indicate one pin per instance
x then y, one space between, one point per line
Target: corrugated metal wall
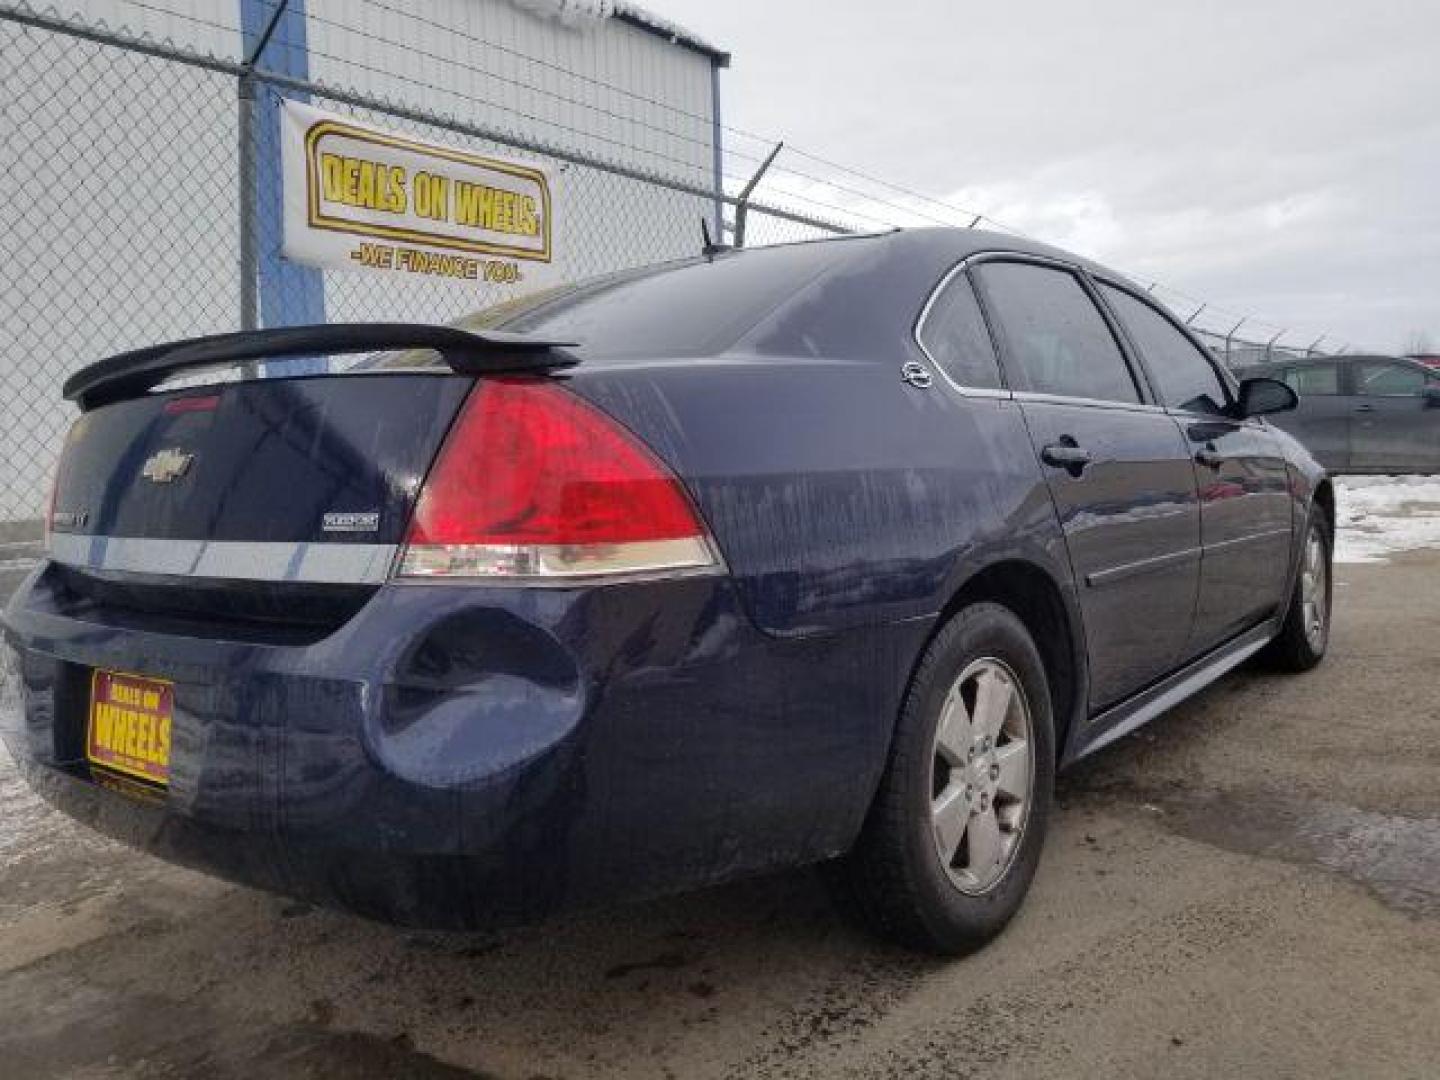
605 87
602 86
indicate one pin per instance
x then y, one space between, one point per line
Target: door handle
1364 408
1066 455
1210 457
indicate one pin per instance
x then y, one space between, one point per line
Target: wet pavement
1397 858
1250 886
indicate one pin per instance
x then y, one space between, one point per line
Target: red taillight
533 482
181 405
50 510
70 519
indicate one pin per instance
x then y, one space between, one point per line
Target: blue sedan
832 551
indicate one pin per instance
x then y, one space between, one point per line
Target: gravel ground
1248 887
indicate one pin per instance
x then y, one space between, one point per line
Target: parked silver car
1363 414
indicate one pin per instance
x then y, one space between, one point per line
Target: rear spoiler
467 352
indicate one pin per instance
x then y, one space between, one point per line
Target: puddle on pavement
1397 858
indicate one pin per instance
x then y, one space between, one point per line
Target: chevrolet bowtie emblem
166 466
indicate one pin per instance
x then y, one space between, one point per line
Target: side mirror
1431 394
1259 397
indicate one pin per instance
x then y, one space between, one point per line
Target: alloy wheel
1314 590
983 770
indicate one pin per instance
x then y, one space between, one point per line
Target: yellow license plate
129 729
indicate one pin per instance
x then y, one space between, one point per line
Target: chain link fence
121 180
121 185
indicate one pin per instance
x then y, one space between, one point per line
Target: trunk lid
255 479
267 510
287 479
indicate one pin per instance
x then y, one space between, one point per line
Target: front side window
1055 339
1313 380
1185 378
954 335
1384 379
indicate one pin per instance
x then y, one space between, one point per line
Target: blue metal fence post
288 292
717 151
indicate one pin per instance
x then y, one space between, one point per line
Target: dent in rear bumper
466 756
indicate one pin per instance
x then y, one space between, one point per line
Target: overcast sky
1280 157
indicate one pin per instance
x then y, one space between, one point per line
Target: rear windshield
694 308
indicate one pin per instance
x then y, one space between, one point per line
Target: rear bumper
411 888
466 756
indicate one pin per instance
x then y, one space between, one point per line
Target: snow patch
1379 516
25 820
584 14
571 13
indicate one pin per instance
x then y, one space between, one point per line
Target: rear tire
1305 634
952 841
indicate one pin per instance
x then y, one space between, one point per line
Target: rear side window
1317 380
953 333
1381 379
1055 339
1186 380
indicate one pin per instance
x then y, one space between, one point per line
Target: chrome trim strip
1249 538
1091 403
318 563
1144 566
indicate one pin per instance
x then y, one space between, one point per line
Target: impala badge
167 466
351 521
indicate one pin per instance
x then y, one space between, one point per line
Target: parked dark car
1363 414
828 551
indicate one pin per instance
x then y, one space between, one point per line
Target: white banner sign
360 197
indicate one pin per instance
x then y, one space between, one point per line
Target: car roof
876 296
1289 363
951 244
852 296
908 262
962 243
1312 361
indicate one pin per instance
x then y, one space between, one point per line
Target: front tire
1303 638
954 836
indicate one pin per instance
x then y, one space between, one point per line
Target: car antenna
710 248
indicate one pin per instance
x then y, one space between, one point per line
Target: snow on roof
580 12
634 13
